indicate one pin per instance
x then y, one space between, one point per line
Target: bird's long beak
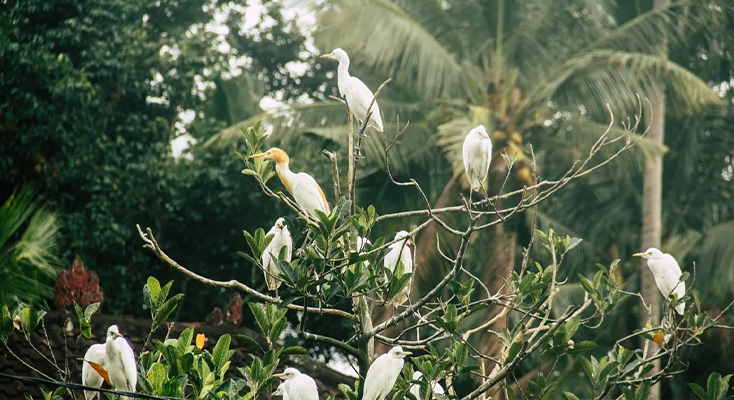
117 334
327 56
405 353
278 375
639 255
258 155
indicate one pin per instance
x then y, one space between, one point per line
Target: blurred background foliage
97 98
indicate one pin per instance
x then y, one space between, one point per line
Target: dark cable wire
34 380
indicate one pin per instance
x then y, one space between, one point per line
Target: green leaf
163 295
643 392
90 310
78 309
184 340
684 277
573 243
166 309
156 377
247 339
220 354
583 347
154 287
276 329
698 391
258 311
293 350
29 321
86 328
570 396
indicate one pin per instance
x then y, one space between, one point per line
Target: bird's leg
492 204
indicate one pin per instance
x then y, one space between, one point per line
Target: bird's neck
286 175
343 70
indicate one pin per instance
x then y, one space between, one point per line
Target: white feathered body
90 377
121 366
281 238
359 97
381 377
667 273
302 387
304 189
415 388
400 252
477 153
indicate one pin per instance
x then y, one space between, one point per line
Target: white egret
281 238
383 373
415 388
667 274
281 392
120 362
90 377
477 156
358 95
399 251
298 386
302 186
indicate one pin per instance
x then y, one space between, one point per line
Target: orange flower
200 341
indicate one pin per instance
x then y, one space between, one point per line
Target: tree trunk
652 193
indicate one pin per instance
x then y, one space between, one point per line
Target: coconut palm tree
28 263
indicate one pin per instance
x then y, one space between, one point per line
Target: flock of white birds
117 357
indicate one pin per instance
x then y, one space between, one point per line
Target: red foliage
77 284
234 309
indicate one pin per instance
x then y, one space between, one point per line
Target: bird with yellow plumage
302 187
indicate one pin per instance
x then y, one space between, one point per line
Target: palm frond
28 263
715 269
381 35
594 77
670 26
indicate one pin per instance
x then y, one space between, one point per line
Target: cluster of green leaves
156 298
22 317
85 318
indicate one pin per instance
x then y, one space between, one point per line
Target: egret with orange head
302 186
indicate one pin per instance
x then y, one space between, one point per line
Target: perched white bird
667 274
415 388
383 373
477 156
281 238
120 362
302 186
399 251
358 95
298 386
90 377
281 392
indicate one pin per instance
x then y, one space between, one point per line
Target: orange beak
327 56
259 155
117 334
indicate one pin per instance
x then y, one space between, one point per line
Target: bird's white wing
303 387
269 258
308 194
90 377
377 380
128 364
391 258
466 155
359 97
288 240
671 275
486 146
